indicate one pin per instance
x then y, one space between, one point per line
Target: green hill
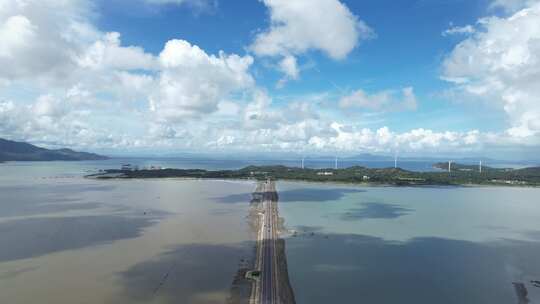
21 151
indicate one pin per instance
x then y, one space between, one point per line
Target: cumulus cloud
83 87
500 64
51 45
192 83
50 120
350 138
79 77
303 25
15 33
298 26
316 135
86 76
42 38
384 101
266 127
299 126
107 53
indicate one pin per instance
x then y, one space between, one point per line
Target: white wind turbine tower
480 166
303 162
395 159
335 165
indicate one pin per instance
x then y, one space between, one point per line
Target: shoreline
329 182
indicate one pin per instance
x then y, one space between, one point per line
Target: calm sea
411 245
66 239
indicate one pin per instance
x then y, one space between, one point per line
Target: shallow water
66 239
411 245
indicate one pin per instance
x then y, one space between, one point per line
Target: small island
458 175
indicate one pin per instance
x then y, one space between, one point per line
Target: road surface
268 283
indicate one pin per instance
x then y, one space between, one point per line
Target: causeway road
269 276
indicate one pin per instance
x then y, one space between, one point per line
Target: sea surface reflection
412 245
66 239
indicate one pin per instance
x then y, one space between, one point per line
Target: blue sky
326 76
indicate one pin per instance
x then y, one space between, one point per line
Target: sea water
67 239
350 244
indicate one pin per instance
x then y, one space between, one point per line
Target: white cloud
350 139
192 83
289 66
50 119
259 115
16 32
268 127
500 63
108 53
511 5
384 101
8 123
194 3
41 38
71 84
47 105
453 30
167 1
130 86
298 26
86 77
51 46
302 25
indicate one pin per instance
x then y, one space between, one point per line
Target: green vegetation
461 175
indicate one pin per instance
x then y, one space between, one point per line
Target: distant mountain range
21 151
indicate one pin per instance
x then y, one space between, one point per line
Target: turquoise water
411 245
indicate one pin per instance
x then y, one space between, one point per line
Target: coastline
322 182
